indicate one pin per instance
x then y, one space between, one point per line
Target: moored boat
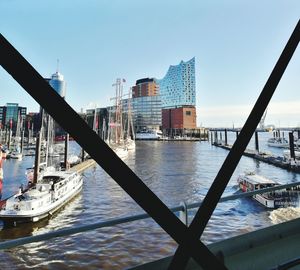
275 199
278 142
148 134
16 155
287 154
42 199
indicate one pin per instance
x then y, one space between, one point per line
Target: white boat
122 152
148 134
73 160
287 154
16 155
297 143
130 144
275 199
43 199
278 142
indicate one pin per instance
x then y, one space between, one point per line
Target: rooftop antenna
57 65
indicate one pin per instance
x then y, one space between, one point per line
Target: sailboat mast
48 140
121 112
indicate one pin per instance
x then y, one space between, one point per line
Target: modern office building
9 115
147 112
178 96
178 87
146 104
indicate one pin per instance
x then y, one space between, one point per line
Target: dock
84 165
267 158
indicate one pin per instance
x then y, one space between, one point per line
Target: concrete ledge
262 249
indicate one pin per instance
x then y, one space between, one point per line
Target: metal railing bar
217 188
116 221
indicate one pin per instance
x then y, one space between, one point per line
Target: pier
279 161
270 159
83 165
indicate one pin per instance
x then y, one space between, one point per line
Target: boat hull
14 219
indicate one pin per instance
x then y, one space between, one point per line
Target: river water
175 171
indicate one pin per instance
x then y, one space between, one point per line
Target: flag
97 123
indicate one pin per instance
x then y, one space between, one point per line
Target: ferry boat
43 199
278 142
149 134
275 199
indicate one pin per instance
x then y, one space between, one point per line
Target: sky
235 43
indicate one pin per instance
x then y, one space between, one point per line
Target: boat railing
182 209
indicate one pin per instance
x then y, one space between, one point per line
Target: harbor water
175 171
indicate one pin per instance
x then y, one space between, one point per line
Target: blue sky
236 45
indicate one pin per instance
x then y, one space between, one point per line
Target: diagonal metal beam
216 190
13 62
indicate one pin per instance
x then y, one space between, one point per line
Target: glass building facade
147 112
58 84
178 87
10 113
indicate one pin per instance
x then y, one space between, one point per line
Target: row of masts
120 135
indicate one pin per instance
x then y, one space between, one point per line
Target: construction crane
262 120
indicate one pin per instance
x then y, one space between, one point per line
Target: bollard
22 141
66 152
256 142
82 154
292 149
183 213
9 139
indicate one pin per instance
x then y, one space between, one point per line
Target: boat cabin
251 182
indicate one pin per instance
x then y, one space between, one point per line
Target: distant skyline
235 44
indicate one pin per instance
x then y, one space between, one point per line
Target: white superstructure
42 199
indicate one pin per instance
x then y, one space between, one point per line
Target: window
188 113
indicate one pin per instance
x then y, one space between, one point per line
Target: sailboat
115 124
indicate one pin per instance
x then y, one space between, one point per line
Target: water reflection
175 171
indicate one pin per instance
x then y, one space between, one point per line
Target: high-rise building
178 96
178 87
58 84
146 103
9 115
